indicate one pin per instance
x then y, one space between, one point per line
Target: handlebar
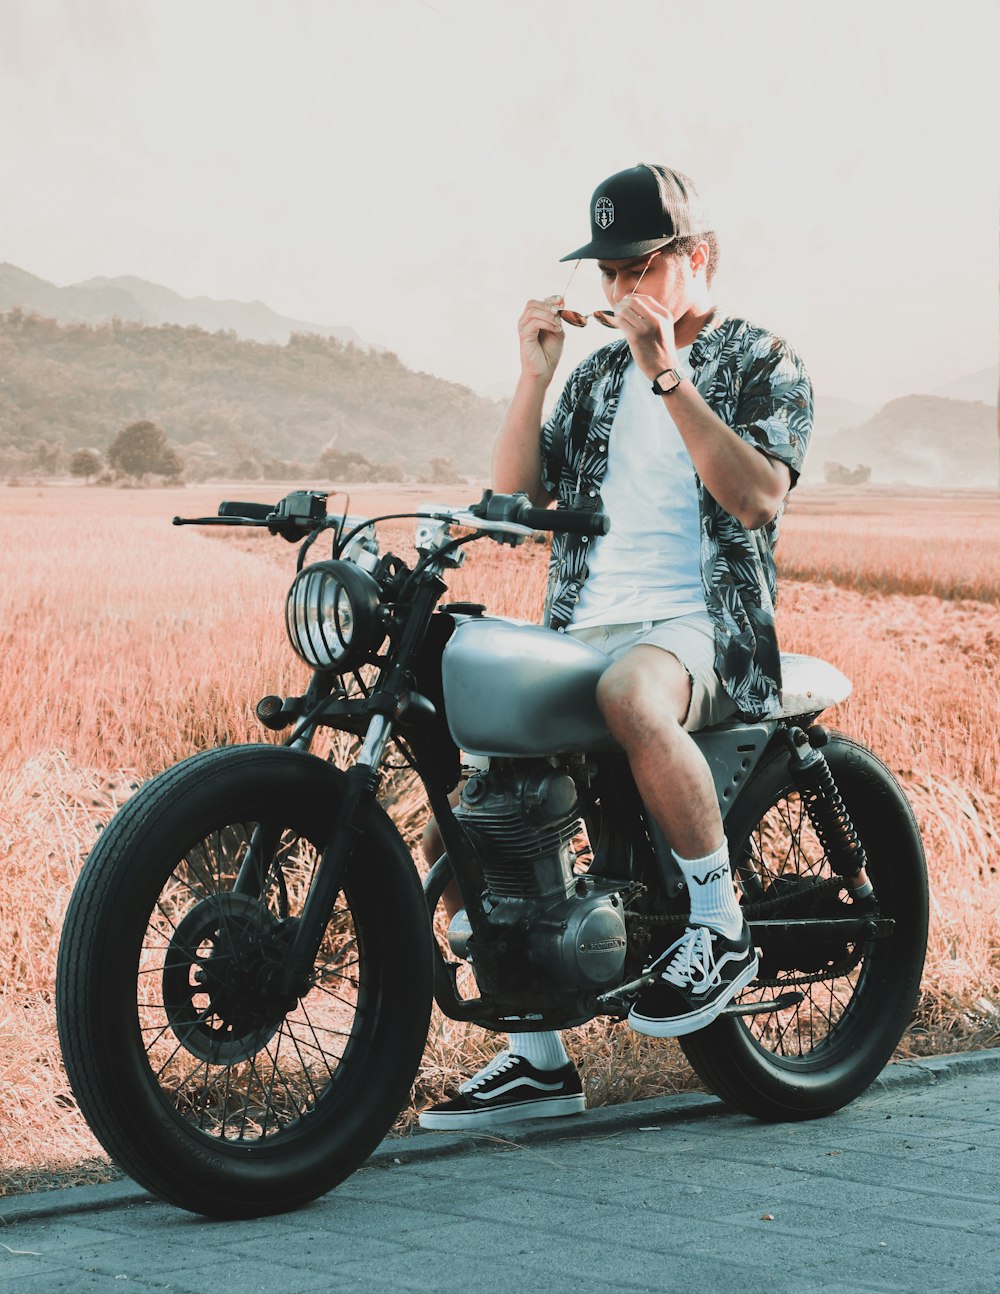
517 508
304 511
293 517
565 521
253 511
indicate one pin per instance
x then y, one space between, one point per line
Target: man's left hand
648 327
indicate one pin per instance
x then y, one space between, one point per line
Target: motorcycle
248 962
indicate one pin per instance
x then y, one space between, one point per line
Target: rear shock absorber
826 809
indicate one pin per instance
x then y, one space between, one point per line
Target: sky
415 168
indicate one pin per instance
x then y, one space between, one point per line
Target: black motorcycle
247 966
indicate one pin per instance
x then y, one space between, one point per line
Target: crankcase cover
581 943
512 690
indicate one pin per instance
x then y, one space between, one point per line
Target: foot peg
620 999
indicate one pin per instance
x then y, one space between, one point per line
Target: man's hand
648 327
739 476
542 338
517 454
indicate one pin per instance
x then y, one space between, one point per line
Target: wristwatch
666 390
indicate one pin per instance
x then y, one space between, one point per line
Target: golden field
129 644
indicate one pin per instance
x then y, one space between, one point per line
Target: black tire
811 1059
211 1094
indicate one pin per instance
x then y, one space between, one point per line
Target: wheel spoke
330 993
306 1070
231 1061
322 1028
319 1046
785 859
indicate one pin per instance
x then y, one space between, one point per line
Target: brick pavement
900 1191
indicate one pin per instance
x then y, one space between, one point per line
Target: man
690 429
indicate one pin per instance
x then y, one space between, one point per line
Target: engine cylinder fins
518 862
509 839
523 823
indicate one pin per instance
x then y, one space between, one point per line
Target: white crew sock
710 887
543 1050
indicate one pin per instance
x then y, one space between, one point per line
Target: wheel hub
221 975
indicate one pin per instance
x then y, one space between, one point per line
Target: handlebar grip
566 521
253 511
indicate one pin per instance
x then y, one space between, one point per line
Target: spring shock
827 812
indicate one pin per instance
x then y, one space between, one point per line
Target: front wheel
198 1077
857 995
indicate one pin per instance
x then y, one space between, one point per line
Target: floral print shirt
758 386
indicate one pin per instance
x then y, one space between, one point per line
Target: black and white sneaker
699 975
509 1089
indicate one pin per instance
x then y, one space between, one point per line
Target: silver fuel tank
514 690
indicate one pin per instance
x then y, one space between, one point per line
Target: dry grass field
129 644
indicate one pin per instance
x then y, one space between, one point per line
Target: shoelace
500 1063
690 960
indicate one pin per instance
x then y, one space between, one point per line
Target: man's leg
531 1078
645 697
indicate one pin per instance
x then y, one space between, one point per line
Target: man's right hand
540 330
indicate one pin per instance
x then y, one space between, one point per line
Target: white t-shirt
647 567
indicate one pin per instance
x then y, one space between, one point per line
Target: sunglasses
606 316
578 320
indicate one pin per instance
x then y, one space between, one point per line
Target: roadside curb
423 1146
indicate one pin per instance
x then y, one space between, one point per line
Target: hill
78 385
832 415
925 440
980 386
101 299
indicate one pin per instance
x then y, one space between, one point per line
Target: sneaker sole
680 1025
552 1107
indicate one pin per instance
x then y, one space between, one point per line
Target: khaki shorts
691 640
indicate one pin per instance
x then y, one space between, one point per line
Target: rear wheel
857 994
202 1079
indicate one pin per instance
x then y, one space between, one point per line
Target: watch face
673 379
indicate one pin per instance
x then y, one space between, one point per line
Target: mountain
76 304
237 379
980 386
832 413
100 299
925 440
263 407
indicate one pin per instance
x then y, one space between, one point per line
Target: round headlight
332 616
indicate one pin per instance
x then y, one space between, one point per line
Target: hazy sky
415 168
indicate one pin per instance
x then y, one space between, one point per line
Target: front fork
361 783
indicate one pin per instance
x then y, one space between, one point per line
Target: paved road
901 1191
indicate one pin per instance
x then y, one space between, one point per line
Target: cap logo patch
604 213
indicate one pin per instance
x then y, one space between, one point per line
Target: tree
46 456
442 472
171 464
246 469
282 469
838 474
85 463
141 449
342 464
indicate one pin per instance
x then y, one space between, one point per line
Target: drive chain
769 907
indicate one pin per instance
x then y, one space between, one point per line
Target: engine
553 929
